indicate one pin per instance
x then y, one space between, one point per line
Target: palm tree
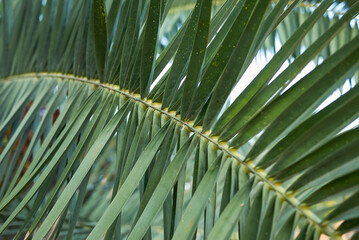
145 119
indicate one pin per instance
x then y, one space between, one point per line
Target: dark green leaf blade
100 34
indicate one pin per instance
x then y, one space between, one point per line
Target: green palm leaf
123 119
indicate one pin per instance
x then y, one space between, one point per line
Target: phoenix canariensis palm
123 119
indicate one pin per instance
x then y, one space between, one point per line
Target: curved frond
162 119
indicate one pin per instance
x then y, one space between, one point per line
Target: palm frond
123 119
